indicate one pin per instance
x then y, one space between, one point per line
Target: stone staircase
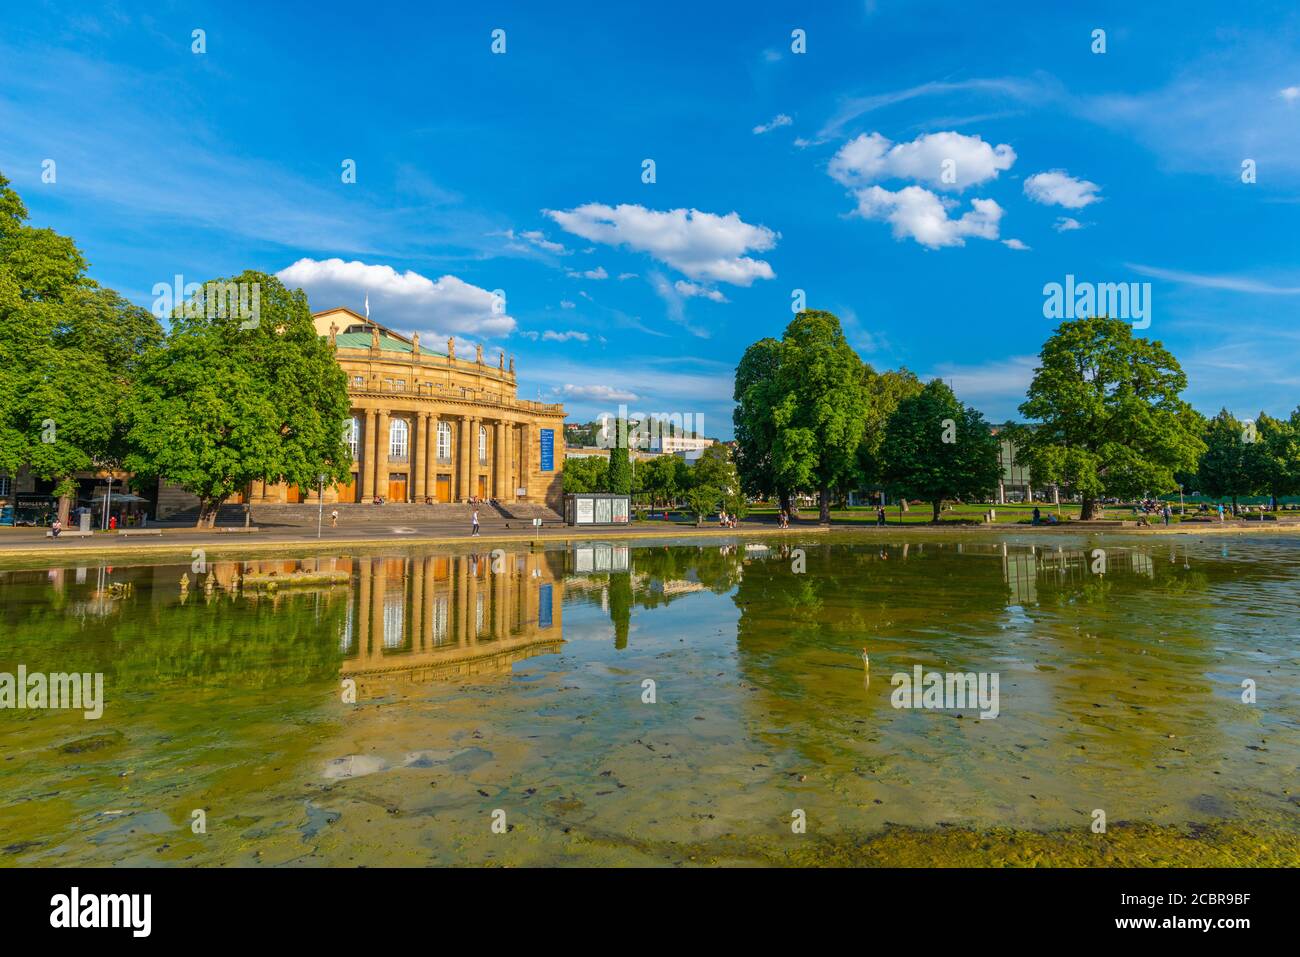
393 513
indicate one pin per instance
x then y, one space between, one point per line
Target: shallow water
395 717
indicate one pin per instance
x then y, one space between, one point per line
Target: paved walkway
27 544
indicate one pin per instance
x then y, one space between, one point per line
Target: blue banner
548 450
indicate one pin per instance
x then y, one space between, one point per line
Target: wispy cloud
1229 283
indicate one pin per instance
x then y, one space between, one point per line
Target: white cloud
1015 244
626 275
597 273
916 213
1059 188
1290 93
946 161
1064 224
781 119
700 245
568 304
406 301
604 393
690 289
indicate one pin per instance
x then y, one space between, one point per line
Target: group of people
725 520
783 519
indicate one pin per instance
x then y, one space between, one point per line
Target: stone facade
430 426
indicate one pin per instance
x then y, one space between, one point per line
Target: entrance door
482 486
292 494
397 487
442 488
348 490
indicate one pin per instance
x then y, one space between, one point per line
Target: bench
239 530
140 531
70 534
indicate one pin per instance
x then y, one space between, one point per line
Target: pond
701 701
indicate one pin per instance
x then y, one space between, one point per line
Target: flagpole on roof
367 305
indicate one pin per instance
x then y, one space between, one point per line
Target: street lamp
320 498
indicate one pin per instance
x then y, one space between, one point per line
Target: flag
367 305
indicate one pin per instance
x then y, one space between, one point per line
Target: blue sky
774 171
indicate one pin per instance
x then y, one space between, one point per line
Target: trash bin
83 521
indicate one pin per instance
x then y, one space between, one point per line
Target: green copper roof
361 340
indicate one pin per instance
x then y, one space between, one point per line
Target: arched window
352 435
444 441
398 434
482 445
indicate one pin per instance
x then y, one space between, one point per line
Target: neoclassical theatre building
429 426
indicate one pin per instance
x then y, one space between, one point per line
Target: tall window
352 435
398 434
4 486
482 445
444 440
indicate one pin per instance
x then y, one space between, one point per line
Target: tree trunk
938 505
824 497
208 509
1088 509
65 507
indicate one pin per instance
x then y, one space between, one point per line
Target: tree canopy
936 448
1108 413
218 406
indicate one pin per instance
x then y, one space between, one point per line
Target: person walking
880 516
1037 515
1167 512
334 518
473 524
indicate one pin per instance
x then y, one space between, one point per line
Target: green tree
619 478
69 350
936 448
820 410
756 396
585 474
713 480
219 406
662 478
884 391
1229 465
1109 414
1275 455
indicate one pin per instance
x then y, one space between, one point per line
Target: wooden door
348 490
292 494
397 487
482 486
442 489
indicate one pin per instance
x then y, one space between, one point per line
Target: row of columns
508 598
506 464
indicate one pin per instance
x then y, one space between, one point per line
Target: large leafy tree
936 448
219 406
1108 414
1275 454
663 478
1228 467
69 351
756 395
884 392
820 409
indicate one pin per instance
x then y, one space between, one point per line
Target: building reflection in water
441 616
